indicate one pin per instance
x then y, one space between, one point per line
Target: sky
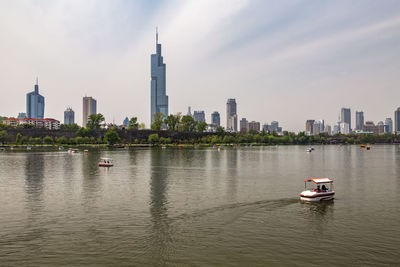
288 61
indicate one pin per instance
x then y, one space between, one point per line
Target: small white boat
309 149
28 148
106 162
319 193
74 150
60 148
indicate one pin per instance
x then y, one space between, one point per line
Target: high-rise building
69 116
274 126
265 127
199 116
359 120
231 115
254 125
244 125
345 117
344 128
316 128
21 116
216 119
310 127
35 103
321 126
189 113
388 125
159 98
89 107
369 126
126 122
328 129
397 120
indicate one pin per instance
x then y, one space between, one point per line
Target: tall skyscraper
126 122
359 120
244 125
89 107
159 98
199 116
397 120
35 103
345 117
215 118
69 116
388 125
310 127
231 115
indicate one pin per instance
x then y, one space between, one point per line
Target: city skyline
324 61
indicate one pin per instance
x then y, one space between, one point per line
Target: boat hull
105 165
315 197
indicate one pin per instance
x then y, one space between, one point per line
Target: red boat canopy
319 180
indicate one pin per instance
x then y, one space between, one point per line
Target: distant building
159 98
274 126
216 119
69 116
126 122
316 128
265 127
50 124
369 126
21 115
321 126
397 120
189 113
244 125
89 107
199 116
231 115
254 125
388 125
345 117
35 104
310 127
344 128
328 129
359 120
336 129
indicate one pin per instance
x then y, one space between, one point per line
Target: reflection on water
160 232
199 207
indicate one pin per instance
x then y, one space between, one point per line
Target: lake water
200 207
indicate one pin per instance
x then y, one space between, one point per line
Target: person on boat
324 188
318 189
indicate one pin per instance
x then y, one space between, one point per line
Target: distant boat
86 151
368 147
309 149
106 162
75 150
362 146
60 148
28 148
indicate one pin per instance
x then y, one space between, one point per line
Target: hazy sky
282 60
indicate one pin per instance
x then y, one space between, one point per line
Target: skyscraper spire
156 35
37 80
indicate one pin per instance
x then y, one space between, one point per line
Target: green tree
112 137
172 121
220 131
47 140
72 127
158 119
201 127
18 138
133 124
188 124
3 136
82 132
153 138
142 126
62 140
94 121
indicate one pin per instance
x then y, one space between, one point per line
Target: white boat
309 149
322 192
106 162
